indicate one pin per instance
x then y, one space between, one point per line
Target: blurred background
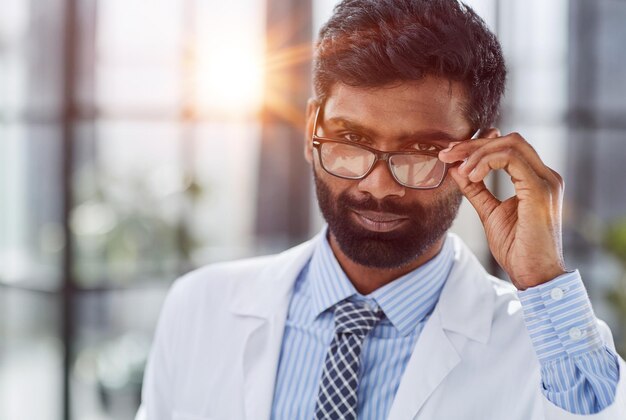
142 138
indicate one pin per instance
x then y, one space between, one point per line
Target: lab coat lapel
260 308
433 358
464 312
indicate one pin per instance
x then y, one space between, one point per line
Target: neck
367 279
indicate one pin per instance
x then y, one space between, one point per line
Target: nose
380 183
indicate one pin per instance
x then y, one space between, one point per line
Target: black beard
385 250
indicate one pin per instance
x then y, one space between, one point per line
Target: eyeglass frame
318 141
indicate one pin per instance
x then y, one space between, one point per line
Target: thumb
477 194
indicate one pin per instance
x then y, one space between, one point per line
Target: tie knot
355 318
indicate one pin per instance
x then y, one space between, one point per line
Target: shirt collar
405 301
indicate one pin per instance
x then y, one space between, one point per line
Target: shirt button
575 333
556 293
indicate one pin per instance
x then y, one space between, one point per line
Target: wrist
538 276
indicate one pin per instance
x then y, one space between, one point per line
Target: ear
311 107
490 133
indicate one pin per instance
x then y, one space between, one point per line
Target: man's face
375 221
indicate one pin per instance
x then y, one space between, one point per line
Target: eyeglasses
419 169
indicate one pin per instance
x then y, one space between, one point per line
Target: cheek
332 185
419 198
448 186
427 198
340 186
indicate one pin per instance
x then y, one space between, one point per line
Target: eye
353 137
424 147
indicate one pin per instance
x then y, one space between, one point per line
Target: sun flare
230 79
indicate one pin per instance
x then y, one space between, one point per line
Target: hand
524 231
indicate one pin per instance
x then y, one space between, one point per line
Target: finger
558 177
477 194
525 179
447 154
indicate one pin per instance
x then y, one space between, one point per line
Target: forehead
430 104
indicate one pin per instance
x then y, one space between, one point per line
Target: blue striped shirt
407 303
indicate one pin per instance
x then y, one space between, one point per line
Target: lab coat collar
270 291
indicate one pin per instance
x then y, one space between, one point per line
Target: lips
377 221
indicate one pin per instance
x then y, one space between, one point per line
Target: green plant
615 243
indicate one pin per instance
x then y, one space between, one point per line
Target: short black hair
372 43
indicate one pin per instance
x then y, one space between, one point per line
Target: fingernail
463 163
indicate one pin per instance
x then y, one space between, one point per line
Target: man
384 314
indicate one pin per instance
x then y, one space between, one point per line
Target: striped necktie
337 395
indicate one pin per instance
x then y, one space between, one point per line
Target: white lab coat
218 341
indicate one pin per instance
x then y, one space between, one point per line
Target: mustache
369 203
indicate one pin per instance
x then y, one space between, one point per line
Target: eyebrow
426 135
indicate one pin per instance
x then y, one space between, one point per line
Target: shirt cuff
559 318
584 384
